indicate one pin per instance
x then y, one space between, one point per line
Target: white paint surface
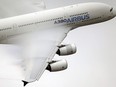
93 65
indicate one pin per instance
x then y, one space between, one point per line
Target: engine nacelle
66 49
57 66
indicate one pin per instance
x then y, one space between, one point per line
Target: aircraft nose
114 11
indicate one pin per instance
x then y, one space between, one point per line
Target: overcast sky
94 65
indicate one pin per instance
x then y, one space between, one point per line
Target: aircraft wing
9 8
39 48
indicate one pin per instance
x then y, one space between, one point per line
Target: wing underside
38 49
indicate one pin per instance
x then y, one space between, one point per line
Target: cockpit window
111 9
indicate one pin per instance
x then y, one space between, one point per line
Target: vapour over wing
38 49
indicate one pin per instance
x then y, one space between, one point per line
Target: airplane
40 34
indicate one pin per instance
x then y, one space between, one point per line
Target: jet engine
57 65
66 49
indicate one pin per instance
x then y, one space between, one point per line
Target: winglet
25 83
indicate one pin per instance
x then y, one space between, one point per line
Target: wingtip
25 82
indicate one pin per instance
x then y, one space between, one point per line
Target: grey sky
93 65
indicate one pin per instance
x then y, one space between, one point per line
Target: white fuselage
71 16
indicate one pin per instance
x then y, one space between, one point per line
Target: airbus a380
40 34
